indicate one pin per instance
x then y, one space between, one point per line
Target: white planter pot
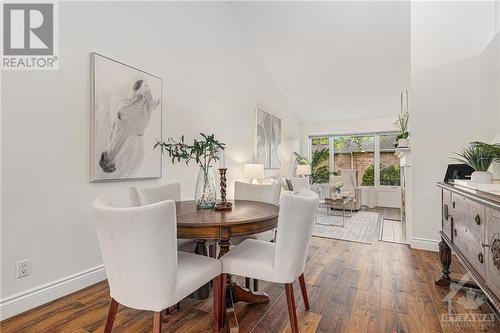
482 177
403 143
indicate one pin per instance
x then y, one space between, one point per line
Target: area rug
358 228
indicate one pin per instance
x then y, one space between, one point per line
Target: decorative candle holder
223 204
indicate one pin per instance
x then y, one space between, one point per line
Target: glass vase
205 193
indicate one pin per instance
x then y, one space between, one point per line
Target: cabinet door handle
453 204
445 211
455 232
480 258
478 219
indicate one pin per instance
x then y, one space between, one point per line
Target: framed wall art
126 121
267 139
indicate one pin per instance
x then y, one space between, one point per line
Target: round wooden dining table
245 218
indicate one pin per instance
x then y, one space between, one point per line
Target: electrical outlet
23 268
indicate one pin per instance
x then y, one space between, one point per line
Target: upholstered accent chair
348 177
148 196
145 270
283 261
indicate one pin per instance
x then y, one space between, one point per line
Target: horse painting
127 120
124 151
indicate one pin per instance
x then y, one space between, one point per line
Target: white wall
450 105
444 32
212 83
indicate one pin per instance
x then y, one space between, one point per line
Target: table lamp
303 170
253 172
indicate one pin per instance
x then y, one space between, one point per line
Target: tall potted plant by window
319 165
204 152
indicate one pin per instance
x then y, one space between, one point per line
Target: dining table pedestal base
242 294
236 293
245 218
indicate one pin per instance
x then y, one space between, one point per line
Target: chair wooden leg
303 289
113 308
290 300
218 303
255 285
157 322
223 290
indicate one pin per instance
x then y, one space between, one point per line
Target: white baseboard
29 299
424 244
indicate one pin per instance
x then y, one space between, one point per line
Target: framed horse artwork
126 121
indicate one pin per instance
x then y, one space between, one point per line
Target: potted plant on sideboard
479 156
204 152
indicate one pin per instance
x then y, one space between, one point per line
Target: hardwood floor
352 287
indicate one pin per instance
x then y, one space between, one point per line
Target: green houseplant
479 156
402 125
493 148
319 165
204 152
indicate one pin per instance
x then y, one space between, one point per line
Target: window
320 160
355 152
371 154
389 163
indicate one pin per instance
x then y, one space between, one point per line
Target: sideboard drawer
446 217
493 250
470 246
468 214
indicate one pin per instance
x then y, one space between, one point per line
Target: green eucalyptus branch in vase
204 152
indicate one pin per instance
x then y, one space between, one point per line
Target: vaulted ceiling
332 60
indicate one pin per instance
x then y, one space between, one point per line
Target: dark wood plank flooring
353 287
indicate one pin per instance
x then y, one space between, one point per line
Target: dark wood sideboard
471 229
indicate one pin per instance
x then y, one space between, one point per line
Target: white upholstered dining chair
144 269
300 183
147 196
283 261
269 193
